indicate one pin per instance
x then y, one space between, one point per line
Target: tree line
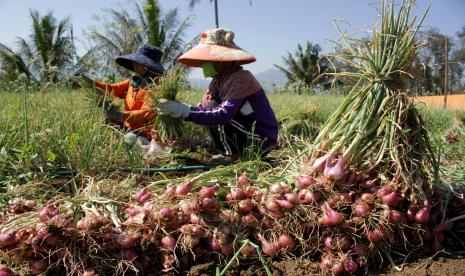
49 55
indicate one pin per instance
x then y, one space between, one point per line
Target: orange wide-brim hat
216 45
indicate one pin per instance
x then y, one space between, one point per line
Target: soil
442 263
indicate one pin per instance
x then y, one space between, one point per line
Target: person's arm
217 115
117 89
143 115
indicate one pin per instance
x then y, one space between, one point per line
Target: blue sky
267 28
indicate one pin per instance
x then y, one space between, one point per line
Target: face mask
208 69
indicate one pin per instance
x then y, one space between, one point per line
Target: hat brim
211 52
126 61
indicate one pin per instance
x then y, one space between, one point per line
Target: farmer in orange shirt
138 115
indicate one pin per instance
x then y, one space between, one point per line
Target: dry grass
455 102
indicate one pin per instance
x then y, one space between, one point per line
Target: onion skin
350 265
244 206
304 181
334 169
250 221
169 191
284 203
214 244
208 192
319 163
141 193
7 239
271 204
330 217
285 241
249 250
423 215
376 235
209 204
390 199
269 248
291 197
183 189
397 217
361 210
5 271
367 197
168 242
238 194
243 180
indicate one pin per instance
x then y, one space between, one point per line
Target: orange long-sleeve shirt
138 112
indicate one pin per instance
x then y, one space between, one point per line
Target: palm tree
124 33
49 54
12 64
306 66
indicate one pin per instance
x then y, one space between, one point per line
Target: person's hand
173 108
208 101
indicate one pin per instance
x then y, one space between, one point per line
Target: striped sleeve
217 115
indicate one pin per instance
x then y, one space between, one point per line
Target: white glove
173 108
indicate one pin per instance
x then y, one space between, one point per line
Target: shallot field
68 193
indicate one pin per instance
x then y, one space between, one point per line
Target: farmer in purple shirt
235 108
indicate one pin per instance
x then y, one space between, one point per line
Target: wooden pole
446 73
216 14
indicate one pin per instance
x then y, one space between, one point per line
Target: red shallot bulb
7 238
208 192
327 261
125 240
271 204
188 207
397 217
390 199
338 267
284 203
244 206
291 197
249 250
361 209
139 194
209 204
376 235
367 197
330 217
214 243
334 169
183 189
350 265
166 213
304 181
169 191
5 271
411 212
423 215
250 221
319 163
279 188
168 242
243 180
238 194
269 248
287 242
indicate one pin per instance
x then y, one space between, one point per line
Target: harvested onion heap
196 221
167 87
377 131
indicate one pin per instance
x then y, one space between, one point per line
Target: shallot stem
260 255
